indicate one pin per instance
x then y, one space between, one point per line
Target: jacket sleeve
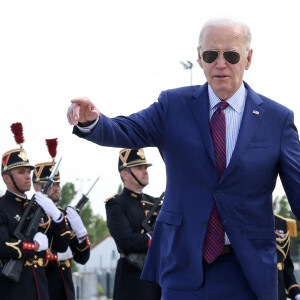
289 164
59 235
142 129
81 251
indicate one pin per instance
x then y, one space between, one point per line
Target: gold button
35 257
35 266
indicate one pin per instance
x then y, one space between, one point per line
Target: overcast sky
122 54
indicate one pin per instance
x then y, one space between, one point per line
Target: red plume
52 145
17 130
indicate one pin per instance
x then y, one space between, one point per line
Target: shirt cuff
88 129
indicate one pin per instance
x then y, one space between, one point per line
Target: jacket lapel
200 111
252 115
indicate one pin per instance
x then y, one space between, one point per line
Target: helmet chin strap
143 185
13 180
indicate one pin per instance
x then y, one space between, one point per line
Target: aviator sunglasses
209 56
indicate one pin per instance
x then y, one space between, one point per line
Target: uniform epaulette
112 197
290 224
291 227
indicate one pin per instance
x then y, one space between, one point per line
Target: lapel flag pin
256 112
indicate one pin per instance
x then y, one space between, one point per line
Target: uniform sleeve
12 247
81 251
291 284
139 130
126 239
289 164
59 235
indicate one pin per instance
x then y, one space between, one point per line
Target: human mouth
221 76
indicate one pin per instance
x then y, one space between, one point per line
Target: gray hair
225 22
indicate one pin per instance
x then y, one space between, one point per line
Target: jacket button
217 192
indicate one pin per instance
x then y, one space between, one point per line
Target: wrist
58 217
81 233
37 245
85 124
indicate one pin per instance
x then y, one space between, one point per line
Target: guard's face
38 187
54 193
141 174
224 78
22 177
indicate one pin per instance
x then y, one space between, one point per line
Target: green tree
68 193
95 224
120 188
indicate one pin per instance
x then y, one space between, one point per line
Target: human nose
221 61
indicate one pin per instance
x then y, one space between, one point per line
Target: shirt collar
15 197
236 101
132 194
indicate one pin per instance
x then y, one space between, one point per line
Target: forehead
21 169
140 167
223 38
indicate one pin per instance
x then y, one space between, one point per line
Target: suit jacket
267 145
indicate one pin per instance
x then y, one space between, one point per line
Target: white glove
48 206
64 255
76 222
42 240
297 297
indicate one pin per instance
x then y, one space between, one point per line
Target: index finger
73 114
80 100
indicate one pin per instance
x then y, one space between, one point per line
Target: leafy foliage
68 193
120 188
95 224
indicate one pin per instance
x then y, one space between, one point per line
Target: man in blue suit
224 146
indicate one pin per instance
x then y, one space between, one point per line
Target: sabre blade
92 186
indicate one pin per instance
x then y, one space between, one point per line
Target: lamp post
188 66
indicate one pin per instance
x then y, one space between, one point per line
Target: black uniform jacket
33 283
287 283
59 273
125 214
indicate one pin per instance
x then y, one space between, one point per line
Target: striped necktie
214 238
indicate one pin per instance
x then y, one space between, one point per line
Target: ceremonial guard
125 215
287 284
28 252
58 264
